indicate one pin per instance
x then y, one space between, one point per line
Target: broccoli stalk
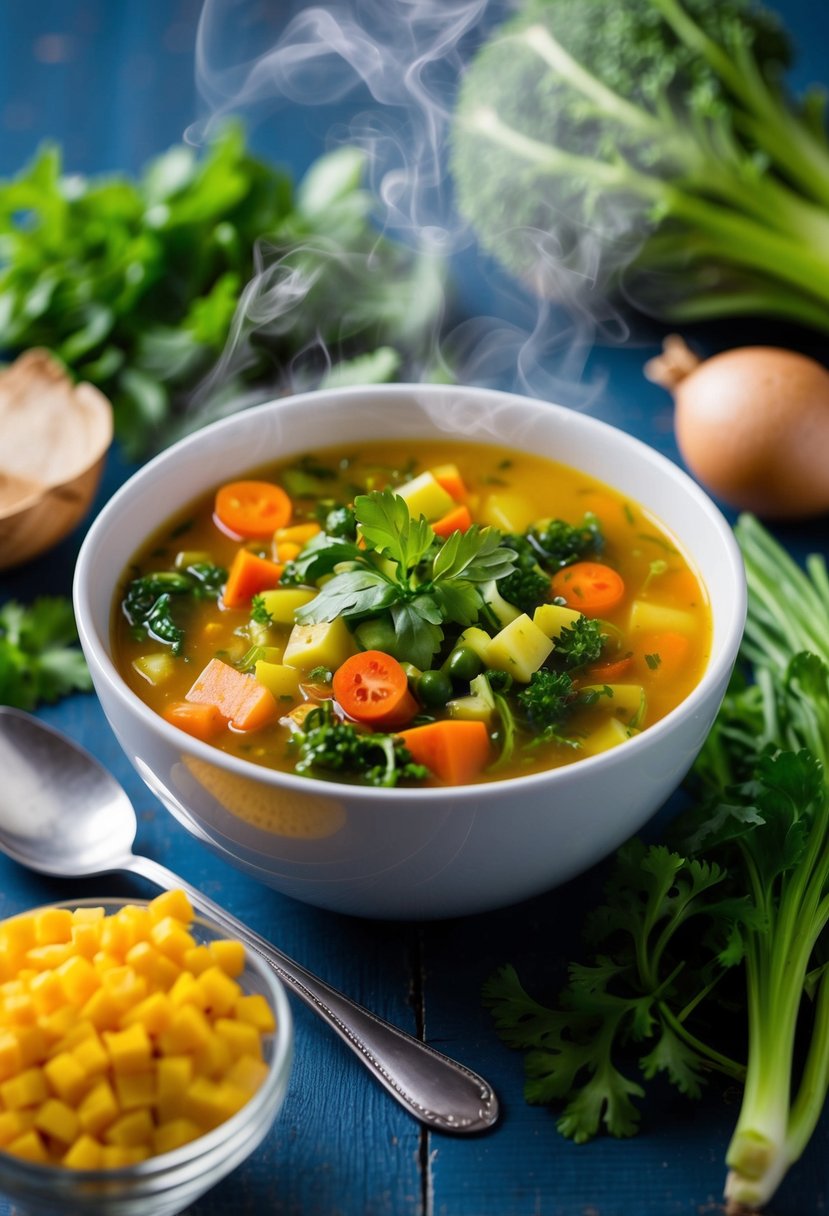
649 145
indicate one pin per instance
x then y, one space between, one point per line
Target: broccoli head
327 746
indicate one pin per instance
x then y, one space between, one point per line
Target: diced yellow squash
91 1055
78 979
188 1031
198 959
65 1076
84 1154
242 1039
210 1102
424 495
47 992
552 618
53 925
282 603
156 669
185 991
134 1128
229 955
507 511
174 903
248 1073
174 1133
171 938
214 1059
173 1075
154 1013
611 733
255 1010
627 702
135 1089
11 1056
29 1147
660 618
192 557
471 709
27 1088
57 1119
476 639
498 606
14 1123
519 648
130 1050
327 644
280 679
221 992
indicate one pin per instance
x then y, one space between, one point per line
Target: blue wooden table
113 81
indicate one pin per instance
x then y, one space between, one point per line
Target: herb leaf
39 658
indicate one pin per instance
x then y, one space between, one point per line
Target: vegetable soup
429 613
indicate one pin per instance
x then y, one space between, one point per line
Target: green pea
434 688
377 634
463 664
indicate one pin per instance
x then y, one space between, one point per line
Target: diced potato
519 648
155 668
424 495
609 734
477 640
627 702
501 610
282 603
660 618
327 644
508 511
552 618
280 678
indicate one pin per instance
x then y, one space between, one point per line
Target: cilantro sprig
401 567
39 658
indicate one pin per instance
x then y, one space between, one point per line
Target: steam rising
393 68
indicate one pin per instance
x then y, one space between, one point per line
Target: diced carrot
241 699
456 520
664 654
610 673
248 576
202 720
448 476
454 750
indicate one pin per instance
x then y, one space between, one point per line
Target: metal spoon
62 813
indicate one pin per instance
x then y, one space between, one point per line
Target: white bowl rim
717 669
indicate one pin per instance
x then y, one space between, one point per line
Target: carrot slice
248 575
456 520
590 587
664 653
246 704
252 508
201 720
372 687
448 476
454 750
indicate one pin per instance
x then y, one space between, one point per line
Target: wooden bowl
54 437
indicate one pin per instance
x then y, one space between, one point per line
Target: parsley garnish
402 568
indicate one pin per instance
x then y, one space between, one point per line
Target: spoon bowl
62 813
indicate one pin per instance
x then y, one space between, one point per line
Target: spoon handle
438 1091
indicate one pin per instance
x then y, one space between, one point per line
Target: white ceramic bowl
413 853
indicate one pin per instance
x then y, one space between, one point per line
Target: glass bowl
170 1182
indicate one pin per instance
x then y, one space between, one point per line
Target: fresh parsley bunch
742 898
400 567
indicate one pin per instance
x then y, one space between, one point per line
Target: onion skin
752 425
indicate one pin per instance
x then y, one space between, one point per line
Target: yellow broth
663 601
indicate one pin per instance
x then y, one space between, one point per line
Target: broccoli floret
609 147
259 611
557 543
342 522
527 586
580 643
329 746
547 700
148 600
